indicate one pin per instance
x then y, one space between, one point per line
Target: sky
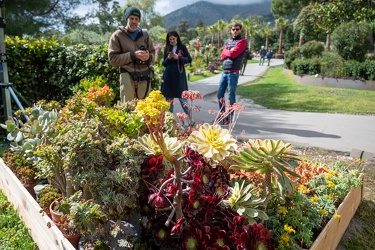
164 7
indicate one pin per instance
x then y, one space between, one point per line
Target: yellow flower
331 184
289 229
213 142
336 216
322 211
314 199
302 189
332 172
153 108
282 210
284 239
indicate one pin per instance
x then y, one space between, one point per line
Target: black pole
4 79
4 67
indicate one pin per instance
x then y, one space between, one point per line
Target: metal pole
6 94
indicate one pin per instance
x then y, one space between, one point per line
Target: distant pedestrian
174 83
262 55
232 55
269 56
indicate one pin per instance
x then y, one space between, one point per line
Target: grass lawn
276 90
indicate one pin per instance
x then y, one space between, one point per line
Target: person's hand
172 56
142 55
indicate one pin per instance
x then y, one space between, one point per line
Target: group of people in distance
132 51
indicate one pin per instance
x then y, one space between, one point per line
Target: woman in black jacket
174 83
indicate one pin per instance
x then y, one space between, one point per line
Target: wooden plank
28 209
332 233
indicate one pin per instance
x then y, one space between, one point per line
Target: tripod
6 87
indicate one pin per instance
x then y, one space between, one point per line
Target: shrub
369 67
290 56
353 68
351 40
306 67
331 64
311 49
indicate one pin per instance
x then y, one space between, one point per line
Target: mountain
210 13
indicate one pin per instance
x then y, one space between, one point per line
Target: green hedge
360 70
310 60
48 69
306 66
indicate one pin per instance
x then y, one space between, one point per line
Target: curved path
330 131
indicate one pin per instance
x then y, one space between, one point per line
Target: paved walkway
331 131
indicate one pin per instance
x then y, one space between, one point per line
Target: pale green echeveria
213 142
174 146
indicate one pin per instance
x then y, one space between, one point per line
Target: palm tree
213 30
249 28
220 27
266 31
281 24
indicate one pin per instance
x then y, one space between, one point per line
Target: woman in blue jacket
174 83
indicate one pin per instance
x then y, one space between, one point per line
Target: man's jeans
227 80
261 60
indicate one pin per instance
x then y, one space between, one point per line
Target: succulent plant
213 142
270 158
245 200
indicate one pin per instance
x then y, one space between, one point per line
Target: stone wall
331 82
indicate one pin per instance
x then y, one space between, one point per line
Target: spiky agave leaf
267 156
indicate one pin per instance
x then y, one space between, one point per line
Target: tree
213 30
304 24
265 31
287 8
149 16
183 28
33 17
249 25
281 24
326 16
220 27
199 24
351 40
158 34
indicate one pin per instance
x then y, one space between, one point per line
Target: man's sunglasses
235 29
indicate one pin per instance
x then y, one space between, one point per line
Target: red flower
157 200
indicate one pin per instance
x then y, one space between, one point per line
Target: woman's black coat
174 77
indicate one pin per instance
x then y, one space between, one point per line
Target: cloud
164 7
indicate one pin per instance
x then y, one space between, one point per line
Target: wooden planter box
332 233
50 237
41 228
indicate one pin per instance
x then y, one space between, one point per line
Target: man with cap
131 49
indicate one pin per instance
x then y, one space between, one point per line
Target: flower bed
48 236
194 188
